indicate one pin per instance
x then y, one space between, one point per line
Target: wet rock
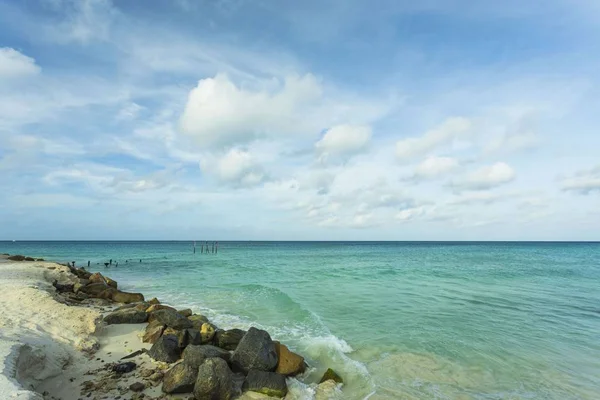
137 387
328 390
269 383
255 351
124 297
123 368
197 320
185 312
127 316
207 332
165 349
228 339
194 336
182 336
153 331
289 363
214 381
331 375
180 379
195 355
172 319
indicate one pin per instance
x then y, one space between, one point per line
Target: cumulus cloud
344 140
236 167
449 131
219 113
583 182
487 177
433 167
14 64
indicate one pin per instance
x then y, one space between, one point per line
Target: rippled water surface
397 320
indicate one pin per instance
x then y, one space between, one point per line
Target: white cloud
583 182
449 131
236 167
433 167
129 111
14 64
487 177
85 20
344 140
410 213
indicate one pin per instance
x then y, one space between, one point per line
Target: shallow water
396 320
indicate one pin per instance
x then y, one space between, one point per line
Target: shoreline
71 355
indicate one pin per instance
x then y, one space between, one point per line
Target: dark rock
182 336
165 349
154 330
17 257
80 272
99 278
215 381
172 319
124 297
229 339
138 306
194 336
255 351
123 368
195 355
94 289
289 363
269 383
29 259
331 375
156 307
128 316
180 379
137 387
186 312
39 259
197 320
153 301
62 288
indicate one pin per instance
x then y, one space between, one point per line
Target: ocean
397 320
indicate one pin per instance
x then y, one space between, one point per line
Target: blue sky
313 120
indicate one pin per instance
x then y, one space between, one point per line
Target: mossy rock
331 375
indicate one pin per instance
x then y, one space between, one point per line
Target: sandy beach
57 347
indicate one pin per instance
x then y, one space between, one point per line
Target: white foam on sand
39 336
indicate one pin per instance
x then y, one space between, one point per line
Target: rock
123 368
106 294
331 375
215 381
134 354
269 383
29 259
172 319
255 351
97 277
197 320
39 259
182 336
328 390
138 306
80 272
165 349
156 307
94 289
153 331
195 355
124 297
194 336
153 301
289 363
137 387
180 379
185 312
128 316
207 332
17 257
62 288
229 339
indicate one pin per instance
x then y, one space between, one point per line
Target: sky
312 120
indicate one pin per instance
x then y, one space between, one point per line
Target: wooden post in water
216 247
88 263
207 248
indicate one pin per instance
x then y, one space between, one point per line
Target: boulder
127 316
331 375
97 277
165 349
185 312
182 336
17 257
289 363
153 331
207 332
269 383
154 301
215 381
194 336
138 306
94 289
172 319
328 390
29 259
255 351
228 339
106 294
195 355
80 284
63 287
124 297
137 387
197 320
180 379
156 307
123 368
80 272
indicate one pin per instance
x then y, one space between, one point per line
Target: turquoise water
397 320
